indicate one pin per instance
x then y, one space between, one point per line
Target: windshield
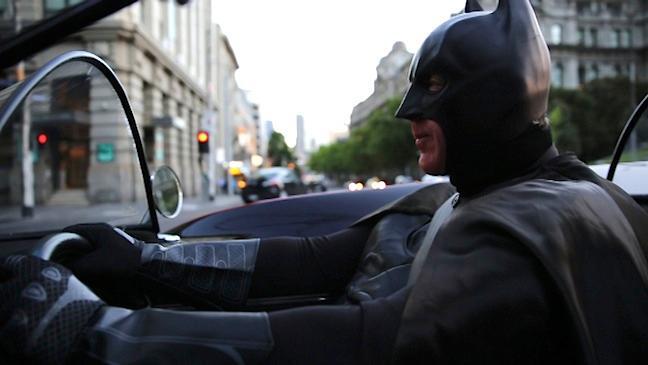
632 172
67 156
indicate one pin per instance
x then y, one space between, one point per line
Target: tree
278 151
588 121
382 146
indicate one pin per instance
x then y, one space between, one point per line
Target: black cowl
495 71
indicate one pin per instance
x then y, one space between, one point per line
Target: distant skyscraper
300 146
268 128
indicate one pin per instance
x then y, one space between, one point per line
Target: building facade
588 40
391 81
178 70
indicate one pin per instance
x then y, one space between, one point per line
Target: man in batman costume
536 260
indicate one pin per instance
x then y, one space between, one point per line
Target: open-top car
72 152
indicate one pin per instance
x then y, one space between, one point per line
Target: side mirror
167 192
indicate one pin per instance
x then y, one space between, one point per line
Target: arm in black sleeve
305 265
350 334
220 272
341 334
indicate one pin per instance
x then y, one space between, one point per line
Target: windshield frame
17 97
625 135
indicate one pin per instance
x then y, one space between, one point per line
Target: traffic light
203 142
42 139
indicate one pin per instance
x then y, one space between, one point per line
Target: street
58 216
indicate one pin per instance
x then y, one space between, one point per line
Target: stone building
587 39
391 81
178 70
592 39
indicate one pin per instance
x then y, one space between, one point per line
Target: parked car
272 182
316 182
403 179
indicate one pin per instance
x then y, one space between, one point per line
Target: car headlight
378 185
355 186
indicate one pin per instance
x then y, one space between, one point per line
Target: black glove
120 268
43 310
110 269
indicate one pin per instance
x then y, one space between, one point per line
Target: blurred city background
179 69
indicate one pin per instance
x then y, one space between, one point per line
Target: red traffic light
203 137
42 138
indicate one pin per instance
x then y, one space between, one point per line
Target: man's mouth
420 141
420 138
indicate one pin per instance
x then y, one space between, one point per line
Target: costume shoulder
568 237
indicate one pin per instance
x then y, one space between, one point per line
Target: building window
593 73
614 9
3 6
149 143
143 12
588 7
616 39
171 23
595 7
581 75
617 70
581 36
556 34
54 6
625 38
557 75
593 37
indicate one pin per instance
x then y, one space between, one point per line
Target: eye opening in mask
435 83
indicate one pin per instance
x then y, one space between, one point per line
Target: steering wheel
64 247
61 247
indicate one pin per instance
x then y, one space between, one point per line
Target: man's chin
432 168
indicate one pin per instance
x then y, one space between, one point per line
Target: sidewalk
195 207
220 202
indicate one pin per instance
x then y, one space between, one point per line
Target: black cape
550 268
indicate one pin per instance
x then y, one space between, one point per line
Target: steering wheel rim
58 247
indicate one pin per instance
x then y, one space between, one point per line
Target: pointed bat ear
472 5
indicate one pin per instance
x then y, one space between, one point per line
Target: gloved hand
43 310
110 269
120 268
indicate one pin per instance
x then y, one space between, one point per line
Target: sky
318 58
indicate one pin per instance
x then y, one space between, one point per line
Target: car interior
80 83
